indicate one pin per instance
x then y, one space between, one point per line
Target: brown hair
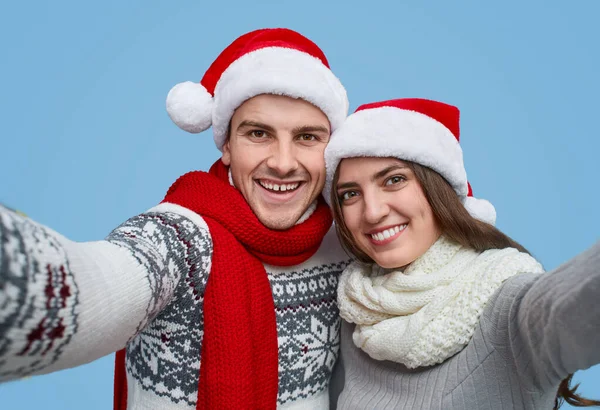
458 225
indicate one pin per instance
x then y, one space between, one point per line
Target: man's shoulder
174 209
330 252
164 232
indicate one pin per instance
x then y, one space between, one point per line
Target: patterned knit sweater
64 303
534 331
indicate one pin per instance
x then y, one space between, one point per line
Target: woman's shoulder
517 285
502 309
510 292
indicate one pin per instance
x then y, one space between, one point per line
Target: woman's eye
348 195
394 180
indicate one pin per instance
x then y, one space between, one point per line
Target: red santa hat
267 61
412 129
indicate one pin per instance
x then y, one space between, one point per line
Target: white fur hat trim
407 135
279 71
403 134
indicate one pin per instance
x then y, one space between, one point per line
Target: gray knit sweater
534 331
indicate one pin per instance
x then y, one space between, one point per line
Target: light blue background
86 142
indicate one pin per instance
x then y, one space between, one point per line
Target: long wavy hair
457 224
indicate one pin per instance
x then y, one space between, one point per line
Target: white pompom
190 106
480 209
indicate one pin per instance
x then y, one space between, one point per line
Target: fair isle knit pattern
38 297
164 357
158 265
308 328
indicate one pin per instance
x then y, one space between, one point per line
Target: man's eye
257 134
394 180
308 137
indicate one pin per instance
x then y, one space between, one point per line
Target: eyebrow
256 124
386 170
378 175
310 128
297 130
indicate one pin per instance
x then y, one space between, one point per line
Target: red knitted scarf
239 360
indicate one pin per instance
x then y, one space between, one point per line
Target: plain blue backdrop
86 142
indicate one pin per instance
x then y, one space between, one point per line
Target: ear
226 157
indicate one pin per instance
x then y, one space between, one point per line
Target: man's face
275 152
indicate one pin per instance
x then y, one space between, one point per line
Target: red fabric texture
120 387
239 356
256 40
446 114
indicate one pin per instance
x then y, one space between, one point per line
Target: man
223 294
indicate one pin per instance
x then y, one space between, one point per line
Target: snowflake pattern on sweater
308 327
165 357
168 255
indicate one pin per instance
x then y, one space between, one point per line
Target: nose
375 208
283 158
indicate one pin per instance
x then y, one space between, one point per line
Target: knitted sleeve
64 303
553 321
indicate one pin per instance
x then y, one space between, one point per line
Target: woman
441 309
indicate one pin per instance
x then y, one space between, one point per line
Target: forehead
364 168
280 111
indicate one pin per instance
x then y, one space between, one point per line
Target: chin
391 262
385 264
279 218
278 224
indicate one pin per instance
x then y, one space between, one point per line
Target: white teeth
388 233
277 187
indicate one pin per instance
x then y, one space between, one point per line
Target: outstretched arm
554 325
64 303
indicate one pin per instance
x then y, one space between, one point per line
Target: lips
278 186
383 236
279 193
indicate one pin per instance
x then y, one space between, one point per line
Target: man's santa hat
267 61
422 131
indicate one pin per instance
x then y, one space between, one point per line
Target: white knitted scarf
428 312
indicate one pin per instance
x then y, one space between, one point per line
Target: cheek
426 215
418 203
313 160
352 217
244 161
423 209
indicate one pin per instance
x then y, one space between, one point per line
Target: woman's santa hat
422 131
267 61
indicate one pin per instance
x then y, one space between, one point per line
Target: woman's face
385 210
